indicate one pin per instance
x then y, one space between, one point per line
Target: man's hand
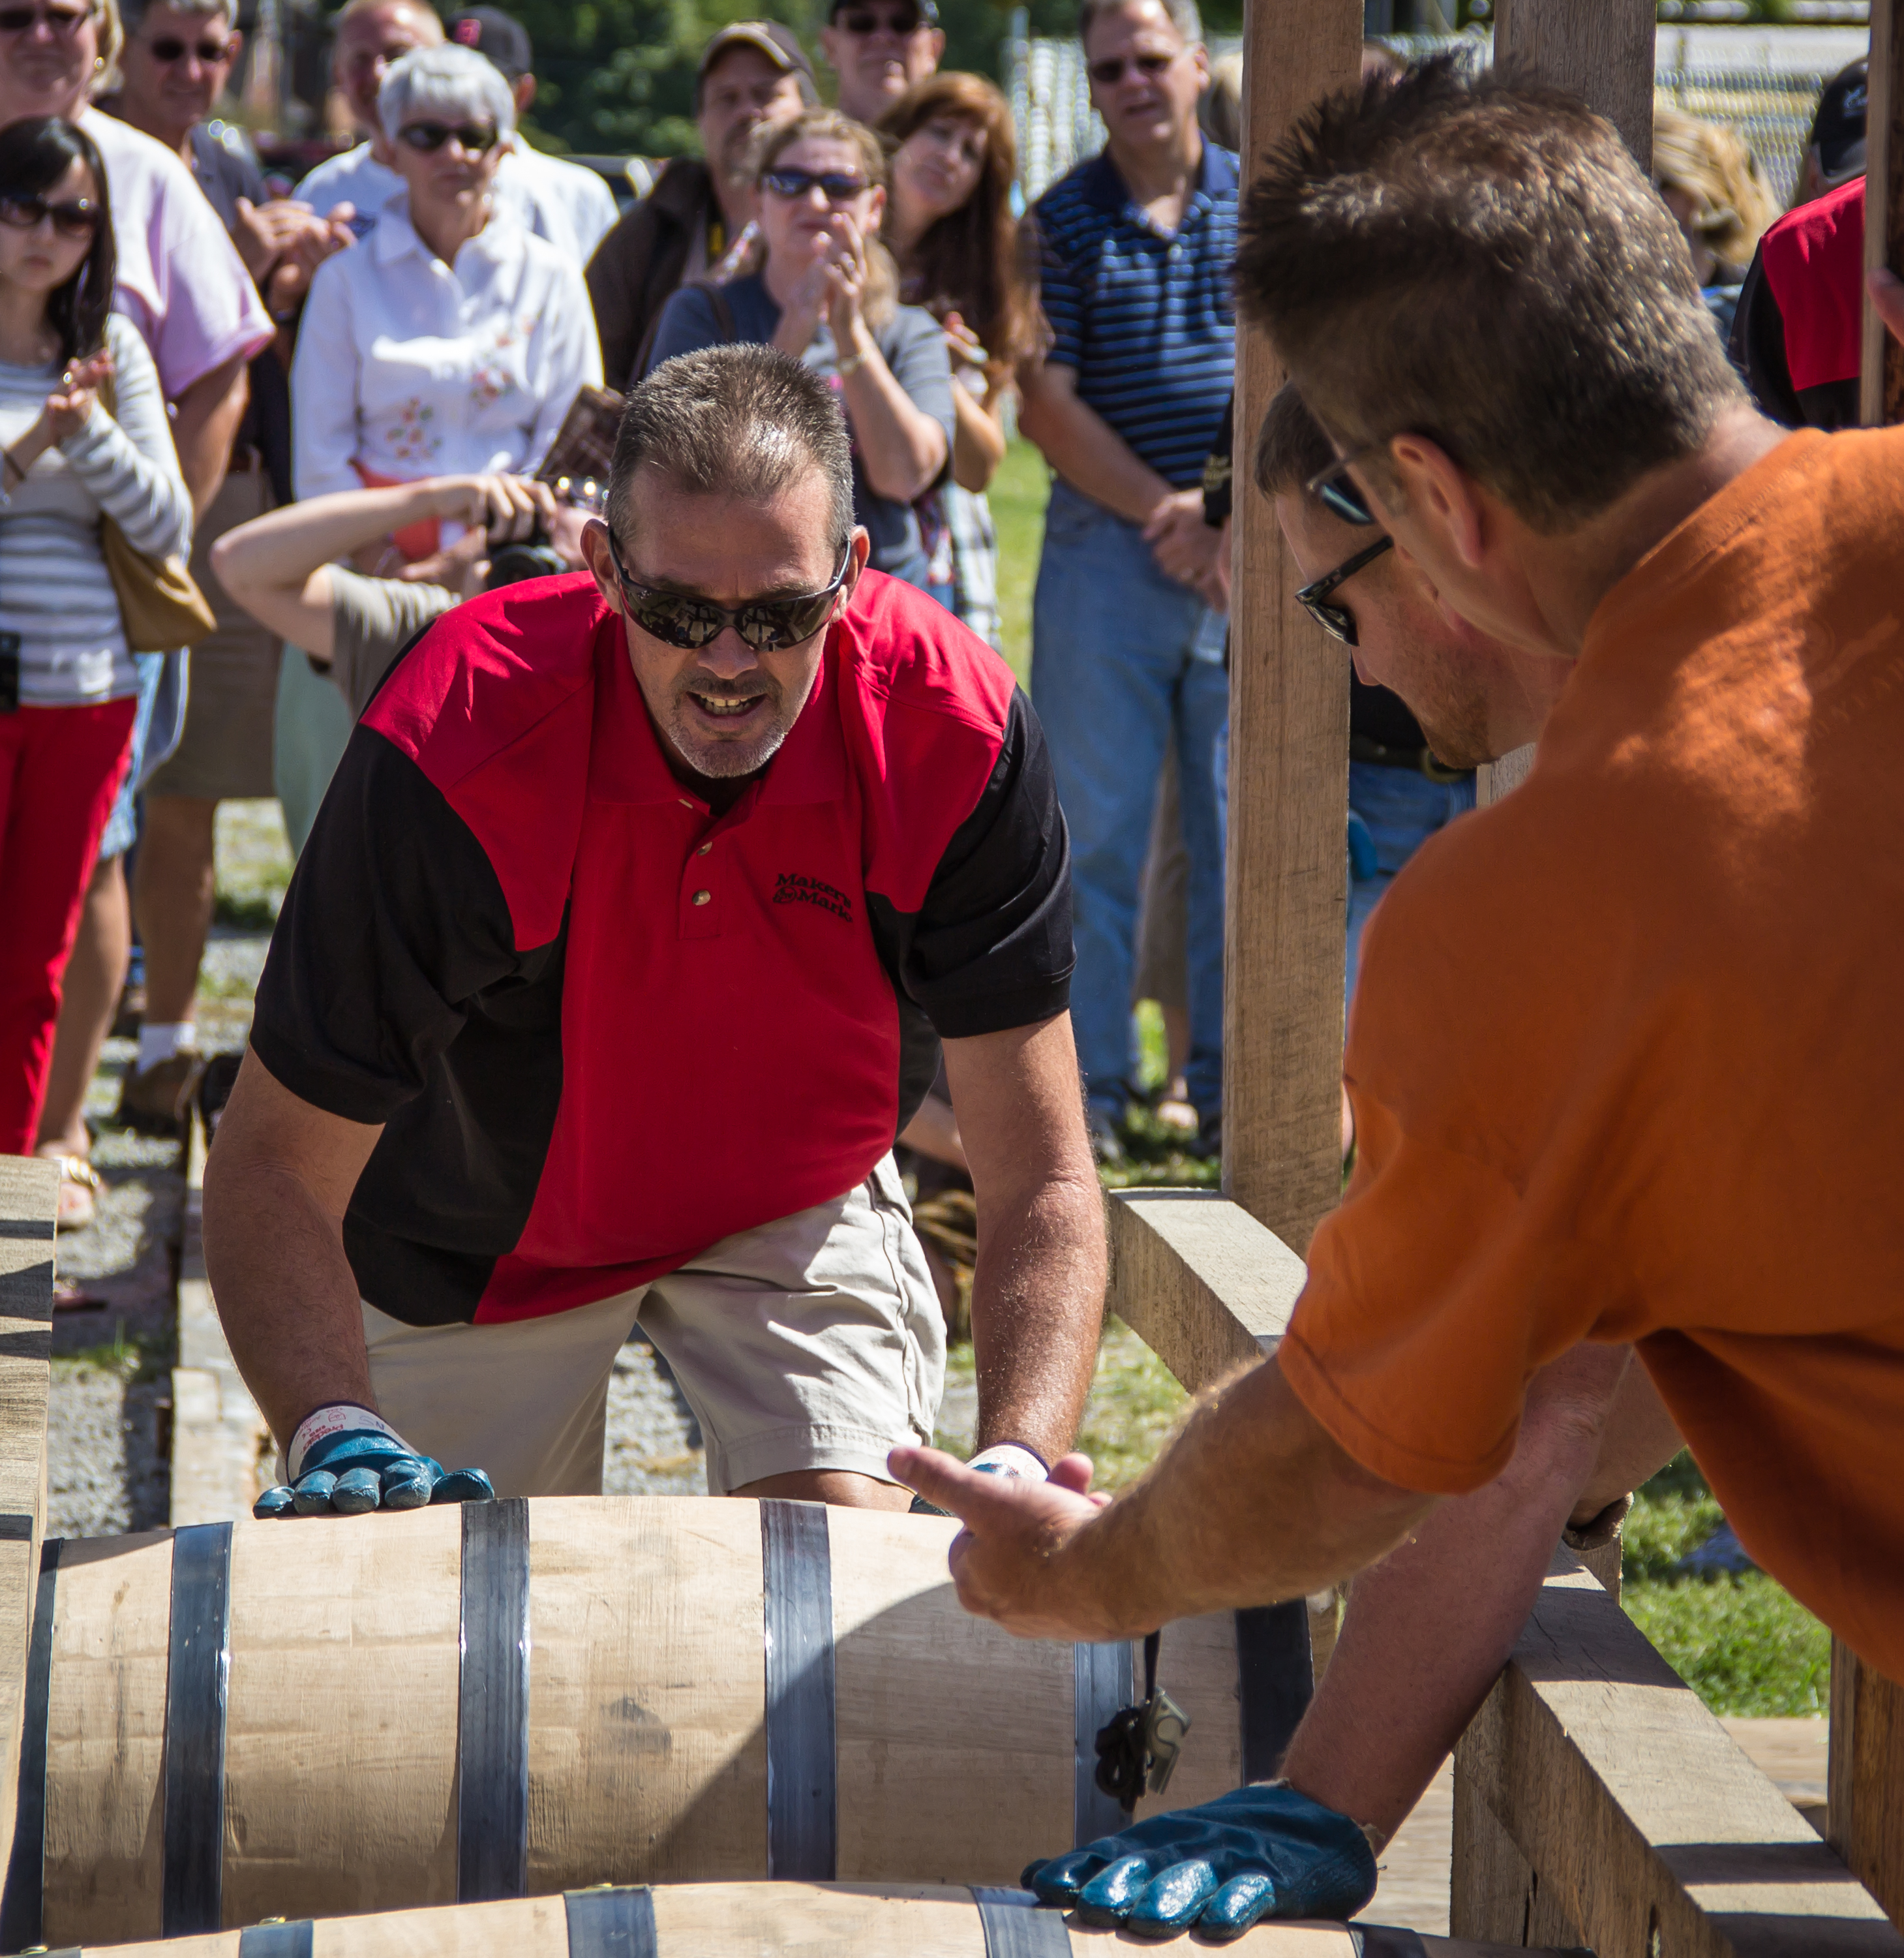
1184 545
343 1461
1259 1852
1887 299
1007 1561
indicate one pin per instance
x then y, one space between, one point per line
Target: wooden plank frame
29 1202
1865 1810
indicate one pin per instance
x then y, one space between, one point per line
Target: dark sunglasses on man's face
62 19
1337 620
1108 73
764 625
1339 493
836 186
168 48
479 138
904 25
78 218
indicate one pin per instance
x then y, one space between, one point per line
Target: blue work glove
1257 1852
343 1461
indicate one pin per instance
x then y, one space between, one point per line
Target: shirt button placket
700 882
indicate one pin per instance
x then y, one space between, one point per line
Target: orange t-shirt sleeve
1432 1299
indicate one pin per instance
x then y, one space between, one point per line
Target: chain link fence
1770 108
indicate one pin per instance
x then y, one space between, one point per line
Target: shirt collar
626 763
395 237
1218 175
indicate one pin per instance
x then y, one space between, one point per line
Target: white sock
161 1042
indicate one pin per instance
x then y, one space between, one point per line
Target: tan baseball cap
766 37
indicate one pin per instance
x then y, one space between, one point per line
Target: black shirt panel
991 947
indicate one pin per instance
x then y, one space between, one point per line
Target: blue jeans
1403 810
1123 658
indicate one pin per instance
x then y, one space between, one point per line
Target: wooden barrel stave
784 1920
956 1749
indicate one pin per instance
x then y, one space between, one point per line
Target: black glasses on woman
1337 620
764 625
23 210
836 186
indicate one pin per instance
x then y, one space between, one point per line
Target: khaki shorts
814 1341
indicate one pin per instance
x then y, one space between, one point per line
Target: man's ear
525 94
1436 490
859 551
600 560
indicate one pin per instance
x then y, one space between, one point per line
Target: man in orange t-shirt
1610 1032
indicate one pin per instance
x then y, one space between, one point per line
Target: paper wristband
336 1419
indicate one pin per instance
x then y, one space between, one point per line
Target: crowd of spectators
331 408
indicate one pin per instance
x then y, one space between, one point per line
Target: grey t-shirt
372 619
912 342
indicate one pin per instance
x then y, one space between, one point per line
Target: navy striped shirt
1143 314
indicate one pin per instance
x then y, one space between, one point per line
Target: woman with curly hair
949 224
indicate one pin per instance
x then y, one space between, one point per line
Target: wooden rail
1597 1802
1865 1808
29 1201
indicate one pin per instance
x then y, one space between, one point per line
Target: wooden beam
1864 1791
1603 51
1198 1280
29 1201
1288 753
1598 1802
1882 394
1864 1809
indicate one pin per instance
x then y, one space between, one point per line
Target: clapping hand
69 406
283 242
845 263
963 346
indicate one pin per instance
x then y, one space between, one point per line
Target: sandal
79 1188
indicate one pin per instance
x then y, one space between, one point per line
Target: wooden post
29 1199
1865 1810
1882 395
1289 753
1603 52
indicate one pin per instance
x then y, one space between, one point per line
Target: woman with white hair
451 340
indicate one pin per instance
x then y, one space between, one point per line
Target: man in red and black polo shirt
621 951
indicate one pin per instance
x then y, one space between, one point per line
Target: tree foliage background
618 76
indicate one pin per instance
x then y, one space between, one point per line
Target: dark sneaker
215 1086
157 1100
1209 1144
1107 1144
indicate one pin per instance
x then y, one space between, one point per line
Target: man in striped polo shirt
1135 247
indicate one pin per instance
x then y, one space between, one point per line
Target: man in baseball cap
503 41
880 49
751 72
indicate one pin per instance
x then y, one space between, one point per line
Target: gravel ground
105 1472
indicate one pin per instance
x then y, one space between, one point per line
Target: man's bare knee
844 1488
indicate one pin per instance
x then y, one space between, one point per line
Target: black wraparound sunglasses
764 625
478 138
1339 493
1337 620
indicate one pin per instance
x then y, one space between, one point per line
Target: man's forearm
1428 1629
284 547
277 1182
1037 1307
1088 452
286 1295
204 424
1251 1503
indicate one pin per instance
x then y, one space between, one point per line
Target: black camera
534 557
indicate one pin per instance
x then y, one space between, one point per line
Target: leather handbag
159 601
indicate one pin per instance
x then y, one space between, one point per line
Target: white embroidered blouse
407 367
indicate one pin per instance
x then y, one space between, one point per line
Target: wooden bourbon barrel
765 1921
312 1718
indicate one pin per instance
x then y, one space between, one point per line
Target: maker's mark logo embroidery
790 887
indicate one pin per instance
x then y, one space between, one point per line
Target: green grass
1744 1644
1018 494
